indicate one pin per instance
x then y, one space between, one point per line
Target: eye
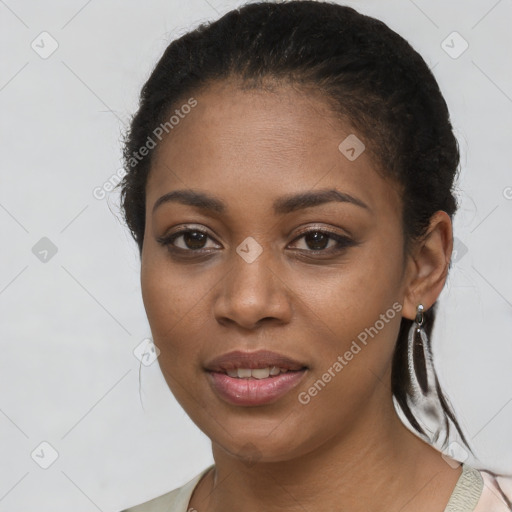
194 240
317 241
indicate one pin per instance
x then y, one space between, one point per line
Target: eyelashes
169 240
194 237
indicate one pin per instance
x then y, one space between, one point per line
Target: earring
423 391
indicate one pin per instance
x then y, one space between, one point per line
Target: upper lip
252 360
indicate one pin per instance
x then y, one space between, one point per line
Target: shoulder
480 491
496 493
173 501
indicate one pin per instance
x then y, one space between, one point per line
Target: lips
253 378
252 360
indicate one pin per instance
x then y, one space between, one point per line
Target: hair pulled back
369 74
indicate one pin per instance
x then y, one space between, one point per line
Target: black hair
368 74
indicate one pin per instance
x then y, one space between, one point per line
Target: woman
290 173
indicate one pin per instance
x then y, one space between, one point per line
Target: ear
428 265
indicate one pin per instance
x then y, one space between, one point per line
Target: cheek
353 311
351 296
162 296
176 305
352 356
355 317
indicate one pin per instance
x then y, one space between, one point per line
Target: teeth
260 373
257 373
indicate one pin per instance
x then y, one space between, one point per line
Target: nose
252 294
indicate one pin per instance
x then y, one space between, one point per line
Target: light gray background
68 374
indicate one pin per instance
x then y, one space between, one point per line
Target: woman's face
258 281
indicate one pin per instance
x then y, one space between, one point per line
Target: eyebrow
281 206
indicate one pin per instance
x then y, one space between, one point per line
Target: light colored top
475 491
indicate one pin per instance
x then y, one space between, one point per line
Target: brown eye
193 240
317 240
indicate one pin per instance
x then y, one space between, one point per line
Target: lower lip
254 391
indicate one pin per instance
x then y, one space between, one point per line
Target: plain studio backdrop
74 432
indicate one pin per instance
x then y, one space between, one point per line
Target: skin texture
347 445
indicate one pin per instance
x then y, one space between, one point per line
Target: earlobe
429 263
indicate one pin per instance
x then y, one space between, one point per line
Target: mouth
254 378
258 373
257 363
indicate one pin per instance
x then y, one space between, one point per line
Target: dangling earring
423 391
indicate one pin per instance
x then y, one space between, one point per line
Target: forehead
256 144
